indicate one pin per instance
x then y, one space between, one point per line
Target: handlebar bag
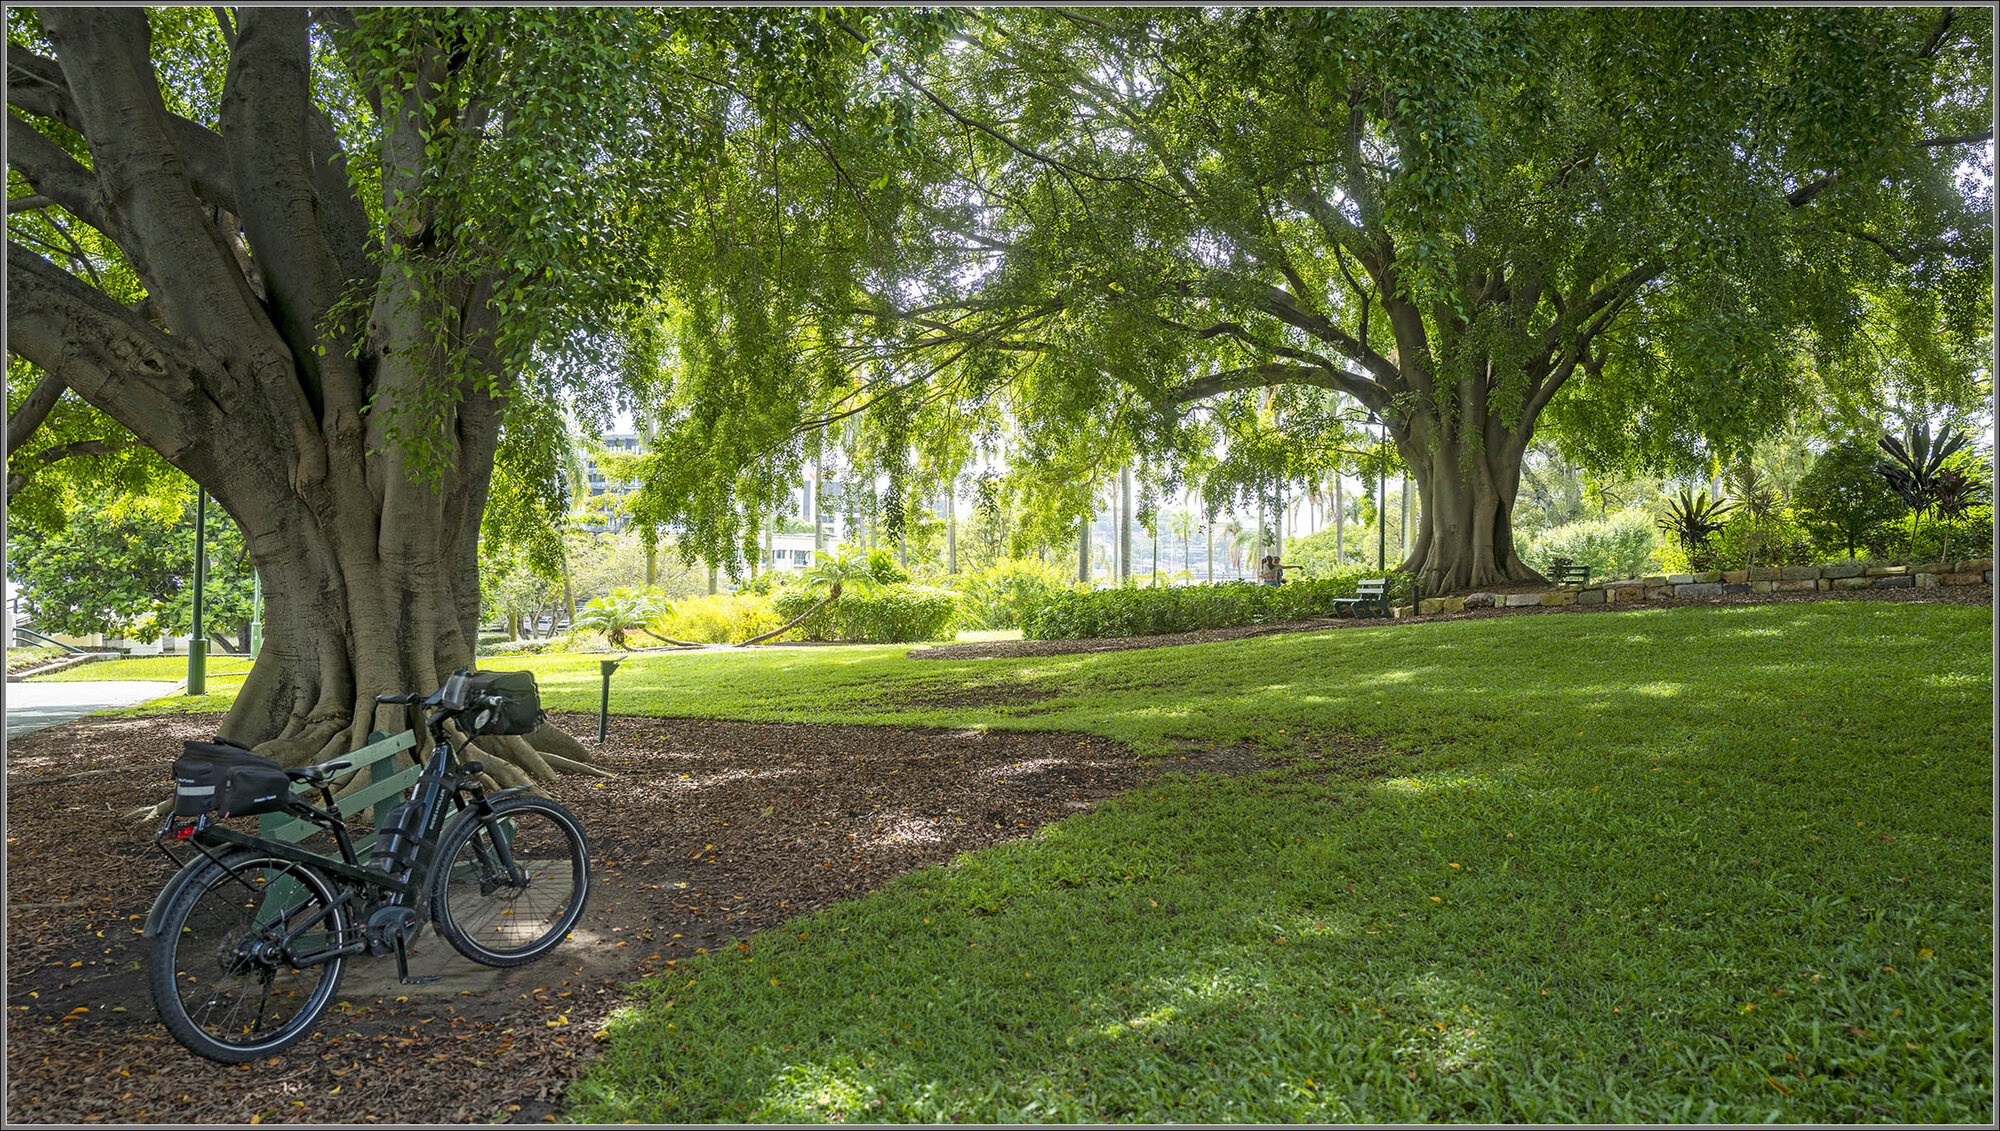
516 707
223 777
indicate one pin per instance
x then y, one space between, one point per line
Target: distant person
1273 571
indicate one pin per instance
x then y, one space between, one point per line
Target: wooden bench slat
384 789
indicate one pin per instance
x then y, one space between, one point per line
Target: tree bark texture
245 238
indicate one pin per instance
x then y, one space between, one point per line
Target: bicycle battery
397 841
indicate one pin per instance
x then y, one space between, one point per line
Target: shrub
1781 539
882 564
890 614
1618 545
1135 611
488 639
506 647
1004 592
720 619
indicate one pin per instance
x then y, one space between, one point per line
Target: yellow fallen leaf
1924 953
1435 899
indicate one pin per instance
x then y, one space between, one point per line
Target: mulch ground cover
710 832
1004 649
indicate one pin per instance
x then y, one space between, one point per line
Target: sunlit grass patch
1564 897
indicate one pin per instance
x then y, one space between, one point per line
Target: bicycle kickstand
403 968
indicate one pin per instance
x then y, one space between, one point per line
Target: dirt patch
1008 649
710 832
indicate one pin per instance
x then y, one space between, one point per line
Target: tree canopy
1210 240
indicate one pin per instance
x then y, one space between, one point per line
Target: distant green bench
1370 594
1567 574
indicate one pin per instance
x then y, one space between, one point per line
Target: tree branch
41 400
1272 373
20 477
46 93
55 175
142 378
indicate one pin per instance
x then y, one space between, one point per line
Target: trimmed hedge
1133 611
890 614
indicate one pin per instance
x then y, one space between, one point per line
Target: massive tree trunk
245 239
1465 506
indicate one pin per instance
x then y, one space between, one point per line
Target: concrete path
33 706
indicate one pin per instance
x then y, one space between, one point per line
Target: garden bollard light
604 700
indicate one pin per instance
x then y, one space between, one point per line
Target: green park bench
386 787
1568 574
1372 593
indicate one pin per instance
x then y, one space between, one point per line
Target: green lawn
1690 865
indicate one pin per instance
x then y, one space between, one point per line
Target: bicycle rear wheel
223 974
506 889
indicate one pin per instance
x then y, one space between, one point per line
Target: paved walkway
33 706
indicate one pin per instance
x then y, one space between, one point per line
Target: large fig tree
317 259
1654 232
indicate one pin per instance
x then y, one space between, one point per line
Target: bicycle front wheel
507 888
237 967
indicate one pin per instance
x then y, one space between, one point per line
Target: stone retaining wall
1763 579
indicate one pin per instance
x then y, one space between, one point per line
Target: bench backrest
1372 587
1573 573
386 786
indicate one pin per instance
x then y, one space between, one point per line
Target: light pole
197 681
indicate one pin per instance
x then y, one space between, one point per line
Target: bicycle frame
444 779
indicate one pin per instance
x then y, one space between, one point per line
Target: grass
1672 865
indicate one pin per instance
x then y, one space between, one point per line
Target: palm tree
832 575
1181 525
1232 534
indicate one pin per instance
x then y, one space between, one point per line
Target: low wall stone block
1794 584
1842 569
1680 579
1762 573
1902 581
1523 600
1959 579
1887 571
1798 573
1699 589
1560 597
1736 587
1479 600
1763 586
1854 583
1927 581
1735 576
1591 597
1659 593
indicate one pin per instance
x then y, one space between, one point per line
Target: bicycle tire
217 951
498 919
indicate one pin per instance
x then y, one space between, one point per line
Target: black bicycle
250 937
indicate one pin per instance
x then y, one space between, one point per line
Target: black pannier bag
224 777
520 709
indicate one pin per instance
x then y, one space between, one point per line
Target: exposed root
569 767
554 740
